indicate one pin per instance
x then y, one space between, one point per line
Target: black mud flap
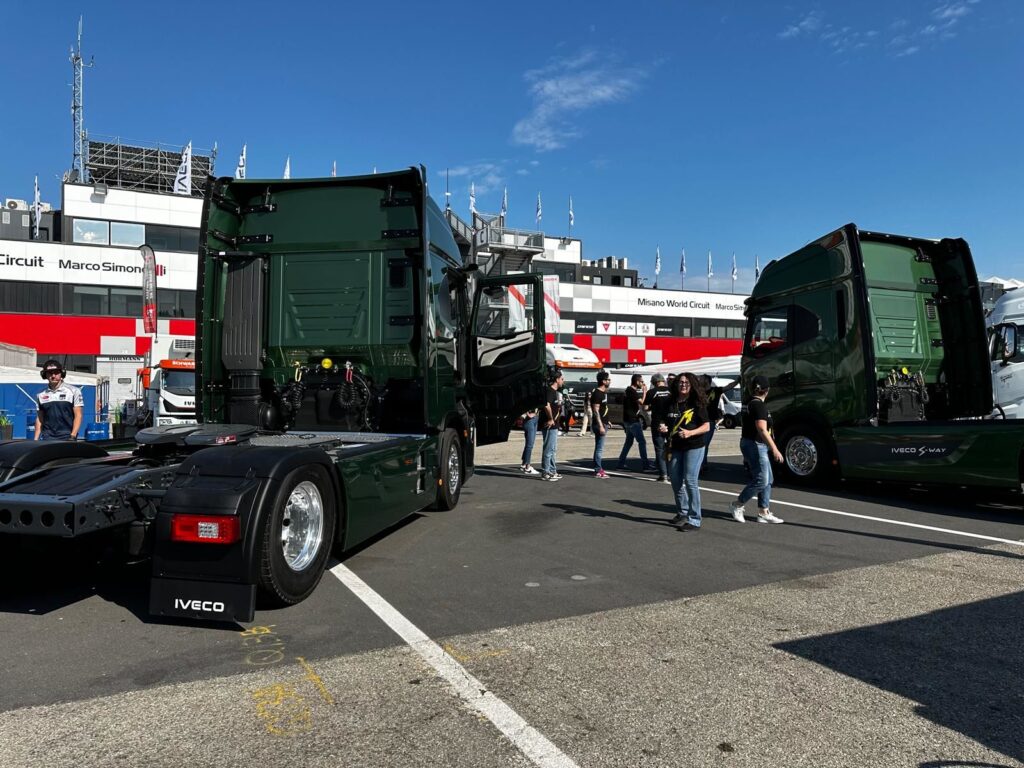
203 600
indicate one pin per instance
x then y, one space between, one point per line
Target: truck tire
729 421
806 455
451 472
296 536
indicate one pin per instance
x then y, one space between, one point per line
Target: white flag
757 269
37 212
472 197
287 167
657 261
735 273
504 203
682 264
540 210
240 169
183 180
711 272
334 168
572 218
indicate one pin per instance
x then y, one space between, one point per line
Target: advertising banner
148 289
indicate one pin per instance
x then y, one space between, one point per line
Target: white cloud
487 177
564 88
809 23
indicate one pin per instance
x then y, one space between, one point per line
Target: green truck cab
876 351
350 359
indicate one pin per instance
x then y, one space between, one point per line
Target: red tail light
205 529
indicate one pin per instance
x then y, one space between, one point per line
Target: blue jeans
707 444
529 438
761 477
598 445
684 469
550 443
658 440
634 432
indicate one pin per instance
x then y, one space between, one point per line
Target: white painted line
523 736
876 519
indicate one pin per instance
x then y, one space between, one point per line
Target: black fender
20 456
462 422
237 480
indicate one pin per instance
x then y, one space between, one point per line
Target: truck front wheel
296 536
450 474
806 455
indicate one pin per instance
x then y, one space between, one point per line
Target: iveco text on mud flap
876 352
348 361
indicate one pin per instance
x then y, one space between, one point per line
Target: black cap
603 375
760 383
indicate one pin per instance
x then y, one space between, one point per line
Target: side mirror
1009 343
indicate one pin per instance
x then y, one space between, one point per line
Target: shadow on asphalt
964 667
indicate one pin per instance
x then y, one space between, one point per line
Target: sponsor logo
6 260
920 450
208 606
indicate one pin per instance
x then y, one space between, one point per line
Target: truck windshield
580 375
180 382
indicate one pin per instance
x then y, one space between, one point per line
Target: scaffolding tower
144 167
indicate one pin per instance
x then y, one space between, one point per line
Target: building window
130 235
628 282
29 297
126 302
90 232
87 300
597 280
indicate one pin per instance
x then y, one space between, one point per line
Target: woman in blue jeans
686 430
758 447
529 438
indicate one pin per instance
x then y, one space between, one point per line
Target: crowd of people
680 414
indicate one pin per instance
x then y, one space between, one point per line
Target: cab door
506 352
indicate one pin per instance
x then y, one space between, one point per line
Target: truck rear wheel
806 455
450 473
297 534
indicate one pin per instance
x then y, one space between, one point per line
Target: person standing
633 414
529 438
59 407
714 398
657 401
585 418
550 415
757 446
686 436
599 420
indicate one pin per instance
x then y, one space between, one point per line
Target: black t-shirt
630 405
553 398
687 416
755 411
599 398
715 403
659 400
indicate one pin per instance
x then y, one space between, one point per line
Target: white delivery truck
579 367
1006 348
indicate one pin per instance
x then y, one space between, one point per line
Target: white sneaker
768 517
528 470
737 512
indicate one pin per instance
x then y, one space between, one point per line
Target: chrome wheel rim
801 456
454 472
302 526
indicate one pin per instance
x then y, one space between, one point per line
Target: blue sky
747 127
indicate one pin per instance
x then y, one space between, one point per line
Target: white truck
1006 353
579 367
171 392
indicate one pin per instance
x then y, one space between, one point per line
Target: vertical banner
148 289
183 179
552 312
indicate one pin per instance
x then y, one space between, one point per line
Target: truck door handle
784 379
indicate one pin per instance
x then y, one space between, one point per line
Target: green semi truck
876 350
350 358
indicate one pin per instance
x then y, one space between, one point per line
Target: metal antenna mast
78 166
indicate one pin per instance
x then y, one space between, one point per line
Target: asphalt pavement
559 624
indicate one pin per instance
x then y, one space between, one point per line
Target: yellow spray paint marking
464 657
315 679
283 711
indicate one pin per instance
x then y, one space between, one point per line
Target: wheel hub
801 456
302 526
454 472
